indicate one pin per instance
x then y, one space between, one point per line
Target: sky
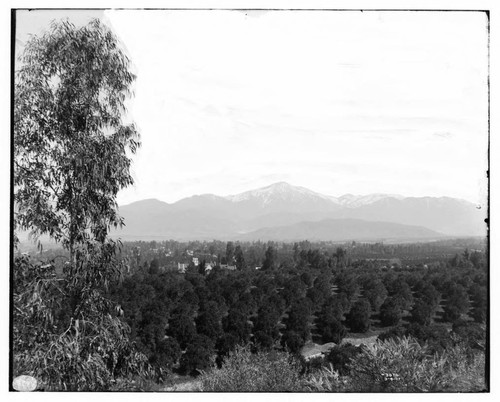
338 102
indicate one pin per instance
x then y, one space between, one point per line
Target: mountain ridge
282 187
282 204
278 187
342 229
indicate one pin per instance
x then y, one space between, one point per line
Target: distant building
258 267
189 252
196 262
182 268
208 268
228 267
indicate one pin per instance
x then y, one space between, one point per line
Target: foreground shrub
396 365
243 371
470 333
403 365
84 354
340 357
465 370
326 380
437 337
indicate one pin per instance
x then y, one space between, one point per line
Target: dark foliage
292 341
266 325
457 302
208 321
375 292
358 318
270 262
391 311
340 357
237 324
168 352
276 308
198 355
181 326
422 312
299 318
329 324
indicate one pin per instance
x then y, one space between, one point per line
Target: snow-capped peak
354 201
286 192
280 190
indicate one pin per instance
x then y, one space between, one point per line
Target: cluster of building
180 262
182 267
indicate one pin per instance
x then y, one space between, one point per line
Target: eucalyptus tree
70 143
72 154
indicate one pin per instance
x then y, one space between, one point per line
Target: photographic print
250 200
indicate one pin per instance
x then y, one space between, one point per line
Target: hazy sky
339 102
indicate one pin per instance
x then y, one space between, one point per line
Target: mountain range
285 212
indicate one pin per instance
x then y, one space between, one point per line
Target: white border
5 24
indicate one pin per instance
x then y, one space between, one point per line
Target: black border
487 351
11 212
488 171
